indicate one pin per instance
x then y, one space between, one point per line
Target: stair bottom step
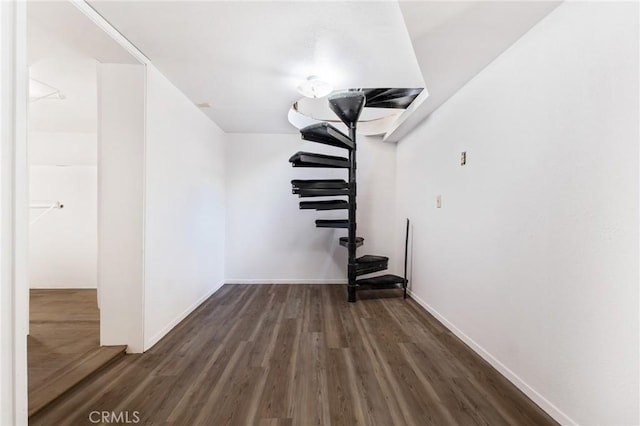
368 264
72 375
380 282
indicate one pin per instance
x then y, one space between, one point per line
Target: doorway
65 51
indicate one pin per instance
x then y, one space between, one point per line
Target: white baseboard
159 335
547 406
285 281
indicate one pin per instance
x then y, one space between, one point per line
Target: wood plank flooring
63 347
302 355
64 324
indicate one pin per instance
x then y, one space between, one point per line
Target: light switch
439 201
463 158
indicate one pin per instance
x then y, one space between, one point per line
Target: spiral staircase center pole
351 269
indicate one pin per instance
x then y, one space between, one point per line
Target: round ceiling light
313 87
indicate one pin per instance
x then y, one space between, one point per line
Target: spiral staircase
348 107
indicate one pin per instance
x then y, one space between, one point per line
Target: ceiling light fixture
313 87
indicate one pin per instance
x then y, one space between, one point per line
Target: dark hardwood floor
301 355
63 345
63 325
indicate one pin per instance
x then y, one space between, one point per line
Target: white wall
185 210
63 148
161 206
121 161
63 244
62 132
533 257
270 240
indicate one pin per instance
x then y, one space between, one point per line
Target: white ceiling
72 72
63 48
455 40
62 20
246 58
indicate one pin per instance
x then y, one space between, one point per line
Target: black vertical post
351 246
406 256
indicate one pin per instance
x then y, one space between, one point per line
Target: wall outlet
439 201
463 158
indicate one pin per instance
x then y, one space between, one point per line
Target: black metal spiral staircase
347 106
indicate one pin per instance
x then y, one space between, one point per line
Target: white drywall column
533 257
172 203
121 138
14 300
185 207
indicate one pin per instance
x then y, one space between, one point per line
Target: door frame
14 289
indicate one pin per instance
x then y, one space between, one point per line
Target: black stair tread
390 97
327 134
332 223
311 159
368 264
325 205
305 163
347 105
303 185
298 156
361 287
319 183
315 155
381 280
345 240
303 193
368 258
373 94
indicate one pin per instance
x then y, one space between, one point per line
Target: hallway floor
64 324
63 347
301 355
